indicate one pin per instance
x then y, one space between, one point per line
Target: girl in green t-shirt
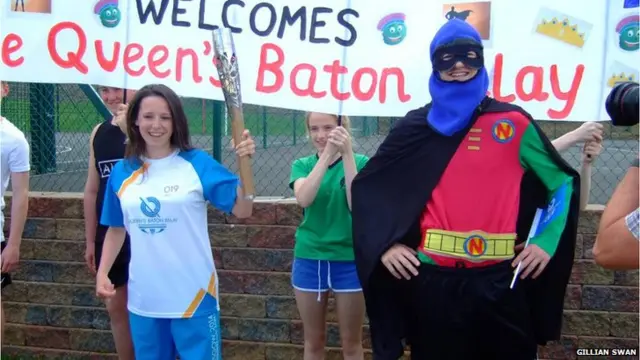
323 252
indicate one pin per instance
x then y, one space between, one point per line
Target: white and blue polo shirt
162 203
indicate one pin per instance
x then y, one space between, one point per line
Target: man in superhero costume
441 214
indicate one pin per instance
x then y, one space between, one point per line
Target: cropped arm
352 164
566 141
585 185
112 217
19 167
616 245
304 182
91 188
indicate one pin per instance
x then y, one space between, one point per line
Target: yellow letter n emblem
503 131
475 245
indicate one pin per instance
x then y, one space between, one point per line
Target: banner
556 59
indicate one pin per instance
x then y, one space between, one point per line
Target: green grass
80 116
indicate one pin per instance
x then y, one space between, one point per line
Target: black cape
388 197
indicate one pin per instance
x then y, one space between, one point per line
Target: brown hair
344 119
180 139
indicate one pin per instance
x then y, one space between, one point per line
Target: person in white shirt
158 194
14 167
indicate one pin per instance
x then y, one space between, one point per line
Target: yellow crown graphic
614 79
561 30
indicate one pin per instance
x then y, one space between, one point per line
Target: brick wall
51 309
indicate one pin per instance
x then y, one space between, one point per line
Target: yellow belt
473 245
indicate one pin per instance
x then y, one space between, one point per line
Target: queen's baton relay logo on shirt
153 222
108 12
551 212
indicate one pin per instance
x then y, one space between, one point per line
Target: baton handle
244 162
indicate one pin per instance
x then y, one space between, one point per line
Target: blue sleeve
111 209
219 185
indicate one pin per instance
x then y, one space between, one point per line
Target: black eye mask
458 52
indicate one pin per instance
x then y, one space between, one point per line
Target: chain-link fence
59 118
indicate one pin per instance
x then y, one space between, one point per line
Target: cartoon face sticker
108 12
394 32
629 38
393 28
628 30
110 16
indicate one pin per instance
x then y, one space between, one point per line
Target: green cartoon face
394 32
110 16
630 37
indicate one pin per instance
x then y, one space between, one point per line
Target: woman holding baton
158 194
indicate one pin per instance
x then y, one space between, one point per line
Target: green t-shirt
325 230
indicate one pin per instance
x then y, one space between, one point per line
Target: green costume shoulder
537 158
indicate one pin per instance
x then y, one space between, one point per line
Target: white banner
557 59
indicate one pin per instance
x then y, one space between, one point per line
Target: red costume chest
480 189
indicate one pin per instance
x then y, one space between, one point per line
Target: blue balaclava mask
453 102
